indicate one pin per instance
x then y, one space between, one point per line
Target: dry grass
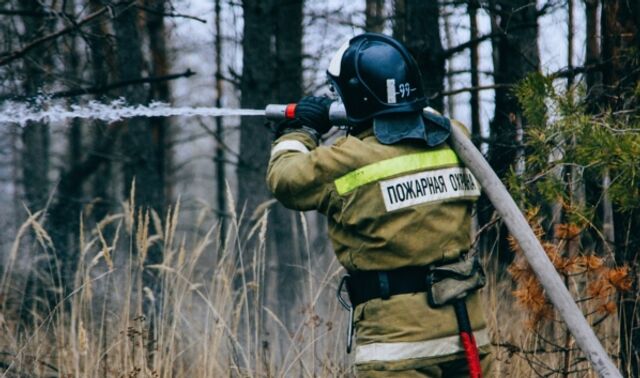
209 317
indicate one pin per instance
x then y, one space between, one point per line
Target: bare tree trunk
160 131
593 77
620 40
398 20
83 163
515 56
221 179
575 185
35 135
416 23
573 177
448 36
102 56
269 75
286 228
256 86
35 164
495 29
160 126
620 37
475 76
257 89
597 187
140 145
374 16
42 280
64 213
570 34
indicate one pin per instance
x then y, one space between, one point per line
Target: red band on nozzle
290 111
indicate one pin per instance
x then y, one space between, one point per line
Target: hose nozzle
279 112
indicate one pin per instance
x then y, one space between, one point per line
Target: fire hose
511 215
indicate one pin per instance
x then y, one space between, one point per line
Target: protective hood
434 129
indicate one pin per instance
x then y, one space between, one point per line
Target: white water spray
21 113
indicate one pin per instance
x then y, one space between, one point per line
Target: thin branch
8 57
495 219
467 72
549 7
573 71
11 56
171 14
23 13
463 46
105 88
221 143
512 349
469 89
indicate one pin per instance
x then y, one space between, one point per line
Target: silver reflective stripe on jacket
289 145
417 349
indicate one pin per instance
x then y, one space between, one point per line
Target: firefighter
398 204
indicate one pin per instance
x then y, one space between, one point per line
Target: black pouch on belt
446 283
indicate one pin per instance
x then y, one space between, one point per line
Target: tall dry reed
204 318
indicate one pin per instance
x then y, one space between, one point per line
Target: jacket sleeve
300 174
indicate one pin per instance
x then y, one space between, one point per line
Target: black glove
313 112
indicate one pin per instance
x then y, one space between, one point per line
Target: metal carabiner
347 306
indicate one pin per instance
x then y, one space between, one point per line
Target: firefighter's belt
442 283
364 286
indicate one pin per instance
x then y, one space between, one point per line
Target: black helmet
377 77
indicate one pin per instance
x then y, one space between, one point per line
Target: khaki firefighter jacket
387 206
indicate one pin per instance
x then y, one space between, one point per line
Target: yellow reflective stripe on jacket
398 351
390 167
